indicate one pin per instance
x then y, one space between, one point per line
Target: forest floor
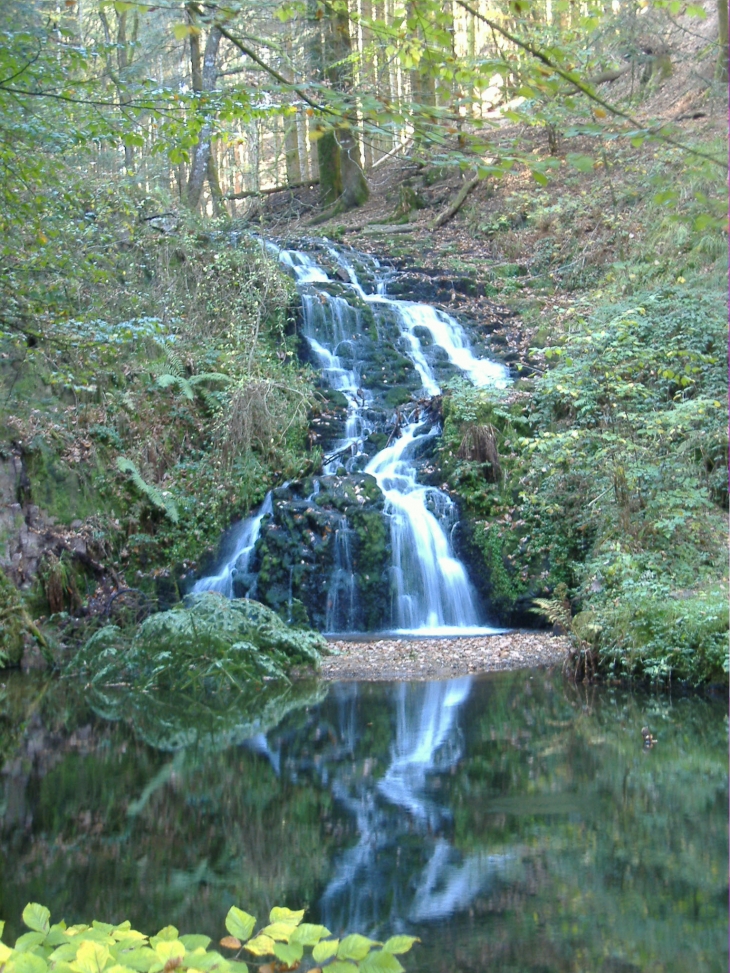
392 658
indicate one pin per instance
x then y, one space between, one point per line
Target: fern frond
168 381
174 363
555 611
152 493
209 377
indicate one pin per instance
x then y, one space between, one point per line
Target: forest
552 173
351 351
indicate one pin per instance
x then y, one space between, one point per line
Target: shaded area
514 822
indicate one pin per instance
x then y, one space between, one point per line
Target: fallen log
454 208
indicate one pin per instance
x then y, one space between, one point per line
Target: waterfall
237 553
431 592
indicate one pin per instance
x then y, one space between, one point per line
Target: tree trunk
204 78
341 177
724 53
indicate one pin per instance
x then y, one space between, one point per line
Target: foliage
155 496
214 644
102 946
616 480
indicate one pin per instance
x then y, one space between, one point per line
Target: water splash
237 552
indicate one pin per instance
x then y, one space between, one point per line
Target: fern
174 363
554 611
153 493
187 385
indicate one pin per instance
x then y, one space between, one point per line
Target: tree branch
584 89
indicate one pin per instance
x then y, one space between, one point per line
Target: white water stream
431 590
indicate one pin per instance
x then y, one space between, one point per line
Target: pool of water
513 822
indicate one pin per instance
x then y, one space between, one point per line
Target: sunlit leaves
37 917
239 923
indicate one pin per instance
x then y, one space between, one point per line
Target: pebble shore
423 658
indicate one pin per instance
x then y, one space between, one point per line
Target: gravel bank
422 658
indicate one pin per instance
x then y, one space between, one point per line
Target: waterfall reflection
403 867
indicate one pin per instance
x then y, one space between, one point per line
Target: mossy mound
210 643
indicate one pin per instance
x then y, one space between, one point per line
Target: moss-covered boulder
208 643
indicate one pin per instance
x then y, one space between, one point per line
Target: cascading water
241 543
430 589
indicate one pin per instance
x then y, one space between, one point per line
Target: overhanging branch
585 89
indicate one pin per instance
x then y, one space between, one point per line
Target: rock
210 642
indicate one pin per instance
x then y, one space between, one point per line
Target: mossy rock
209 643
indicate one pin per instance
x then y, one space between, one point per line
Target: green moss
58 490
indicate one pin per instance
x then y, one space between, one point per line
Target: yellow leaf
91 958
261 945
170 949
279 930
599 113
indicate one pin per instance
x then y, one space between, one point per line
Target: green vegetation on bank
158 398
600 481
101 946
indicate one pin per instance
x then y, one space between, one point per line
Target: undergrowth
166 382
613 456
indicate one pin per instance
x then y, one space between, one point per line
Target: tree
341 177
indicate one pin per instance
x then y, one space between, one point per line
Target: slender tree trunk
204 77
724 53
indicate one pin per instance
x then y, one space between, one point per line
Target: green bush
100 947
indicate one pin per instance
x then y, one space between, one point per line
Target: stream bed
513 821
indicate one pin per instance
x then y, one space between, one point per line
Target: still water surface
514 822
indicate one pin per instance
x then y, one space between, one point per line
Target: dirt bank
422 658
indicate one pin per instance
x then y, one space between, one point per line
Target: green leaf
340 966
381 961
166 935
64 953
140 959
37 917
325 950
400 944
286 915
210 961
355 947
2 927
309 934
539 177
583 163
289 953
237 966
239 923
91 957
28 940
181 31
193 941
29 963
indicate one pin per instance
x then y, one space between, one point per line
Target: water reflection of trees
576 848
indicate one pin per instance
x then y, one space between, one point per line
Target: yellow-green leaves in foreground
104 948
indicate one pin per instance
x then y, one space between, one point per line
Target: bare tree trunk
204 78
119 76
724 53
216 193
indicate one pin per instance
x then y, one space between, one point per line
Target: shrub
100 947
